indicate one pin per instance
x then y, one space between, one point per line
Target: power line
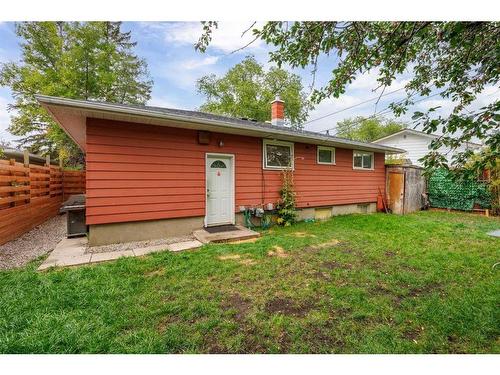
381 112
352 106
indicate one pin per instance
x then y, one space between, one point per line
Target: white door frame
233 204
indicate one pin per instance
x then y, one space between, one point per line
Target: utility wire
381 112
352 106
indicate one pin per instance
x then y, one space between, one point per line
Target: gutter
117 108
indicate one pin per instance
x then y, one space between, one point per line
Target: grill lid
74 202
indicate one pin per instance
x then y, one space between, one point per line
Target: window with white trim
325 155
277 154
362 159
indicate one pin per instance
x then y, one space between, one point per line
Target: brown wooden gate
405 186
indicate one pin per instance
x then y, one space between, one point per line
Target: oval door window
218 164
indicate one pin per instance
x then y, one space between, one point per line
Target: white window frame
323 148
277 143
363 168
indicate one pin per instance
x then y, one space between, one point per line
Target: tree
89 60
367 129
3 145
456 59
247 90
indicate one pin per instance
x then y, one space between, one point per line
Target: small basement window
277 154
326 155
362 160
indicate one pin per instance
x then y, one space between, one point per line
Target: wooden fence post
27 165
12 173
26 158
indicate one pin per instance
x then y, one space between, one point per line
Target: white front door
219 190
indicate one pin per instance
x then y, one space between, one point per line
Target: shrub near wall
445 192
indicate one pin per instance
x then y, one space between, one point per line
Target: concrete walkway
71 252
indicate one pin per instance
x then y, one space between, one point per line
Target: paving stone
102 257
179 246
495 233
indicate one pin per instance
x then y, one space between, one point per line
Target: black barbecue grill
75 208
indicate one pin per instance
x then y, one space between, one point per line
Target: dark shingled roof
228 119
198 115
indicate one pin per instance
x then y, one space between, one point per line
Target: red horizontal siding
141 172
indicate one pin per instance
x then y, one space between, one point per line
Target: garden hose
248 222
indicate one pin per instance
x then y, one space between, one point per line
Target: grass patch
421 283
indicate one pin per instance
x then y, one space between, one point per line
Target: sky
175 66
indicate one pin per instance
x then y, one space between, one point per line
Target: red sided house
155 172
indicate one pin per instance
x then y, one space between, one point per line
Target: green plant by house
394 160
495 188
493 166
286 206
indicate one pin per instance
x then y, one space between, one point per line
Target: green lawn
420 283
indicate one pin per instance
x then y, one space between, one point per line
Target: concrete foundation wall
323 213
104 234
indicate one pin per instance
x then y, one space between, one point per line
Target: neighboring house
416 144
155 172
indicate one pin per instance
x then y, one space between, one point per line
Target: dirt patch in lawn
229 257
333 265
322 339
248 240
155 272
277 251
424 290
239 304
380 289
302 234
323 245
244 260
287 306
412 334
165 321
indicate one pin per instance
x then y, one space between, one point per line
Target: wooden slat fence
73 182
32 194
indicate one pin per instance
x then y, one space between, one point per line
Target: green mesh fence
444 192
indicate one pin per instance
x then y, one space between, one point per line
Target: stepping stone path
71 252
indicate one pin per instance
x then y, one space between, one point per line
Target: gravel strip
136 245
38 241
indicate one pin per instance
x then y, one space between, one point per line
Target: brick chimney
277 111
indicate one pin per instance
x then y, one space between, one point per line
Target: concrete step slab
240 234
179 246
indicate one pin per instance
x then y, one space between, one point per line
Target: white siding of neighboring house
416 146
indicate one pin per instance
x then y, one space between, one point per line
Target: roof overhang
422 134
72 116
410 131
